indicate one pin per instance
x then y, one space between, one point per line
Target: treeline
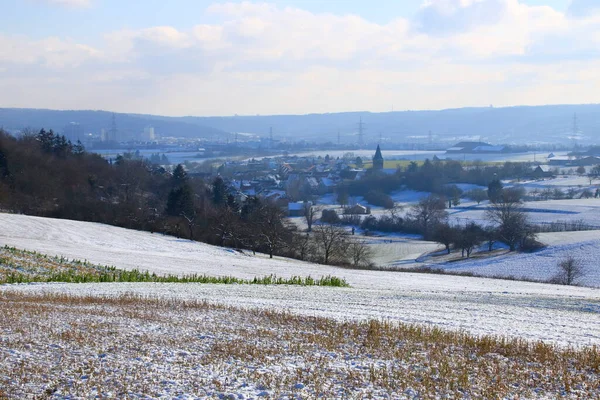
45 175
434 176
507 222
437 176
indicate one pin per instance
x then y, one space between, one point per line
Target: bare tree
546 194
396 212
331 241
507 212
453 194
271 228
310 214
490 235
190 219
226 226
468 238
360 253
429 212
478 195
594 173
570 270
446 235
303 246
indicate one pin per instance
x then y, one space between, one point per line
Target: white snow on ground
398 251
539 212
567 238
108 245
562 181
566 315
136 347
408 196
465 187
541 265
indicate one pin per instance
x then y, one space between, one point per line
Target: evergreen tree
179 176
46 139
180 201
78 148
495 188
4 172
251 206
232 204
219 192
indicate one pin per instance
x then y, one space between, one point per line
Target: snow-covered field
539 212
534 311
561 181
554 314
175 345
124 248
398 251
584 246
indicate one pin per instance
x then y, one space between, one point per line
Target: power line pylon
361 133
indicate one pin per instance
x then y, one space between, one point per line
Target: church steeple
378 159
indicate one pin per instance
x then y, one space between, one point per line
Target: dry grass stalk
54 345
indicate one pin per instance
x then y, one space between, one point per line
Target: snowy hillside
539 212
125 248
566 315
542 265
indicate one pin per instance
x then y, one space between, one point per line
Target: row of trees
331 244
46 175
507 222
435 176
438 176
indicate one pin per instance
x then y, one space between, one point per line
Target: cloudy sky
201 57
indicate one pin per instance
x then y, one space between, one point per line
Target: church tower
378 159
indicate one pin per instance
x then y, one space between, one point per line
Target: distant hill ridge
520 124
128 126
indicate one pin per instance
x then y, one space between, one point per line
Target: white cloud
260 58
51 52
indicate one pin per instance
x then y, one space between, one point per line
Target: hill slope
565 315
548 124
128 126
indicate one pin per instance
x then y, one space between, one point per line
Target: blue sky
207 57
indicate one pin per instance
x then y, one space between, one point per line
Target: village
294 182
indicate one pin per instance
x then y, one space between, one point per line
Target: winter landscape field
94 310
244 341
292 199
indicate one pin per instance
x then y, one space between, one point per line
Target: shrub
385 223
378 198
570 270
351 220
330 217
530 244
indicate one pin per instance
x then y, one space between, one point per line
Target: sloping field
59 346
554 314
128 249
542 265
539 212
558 314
